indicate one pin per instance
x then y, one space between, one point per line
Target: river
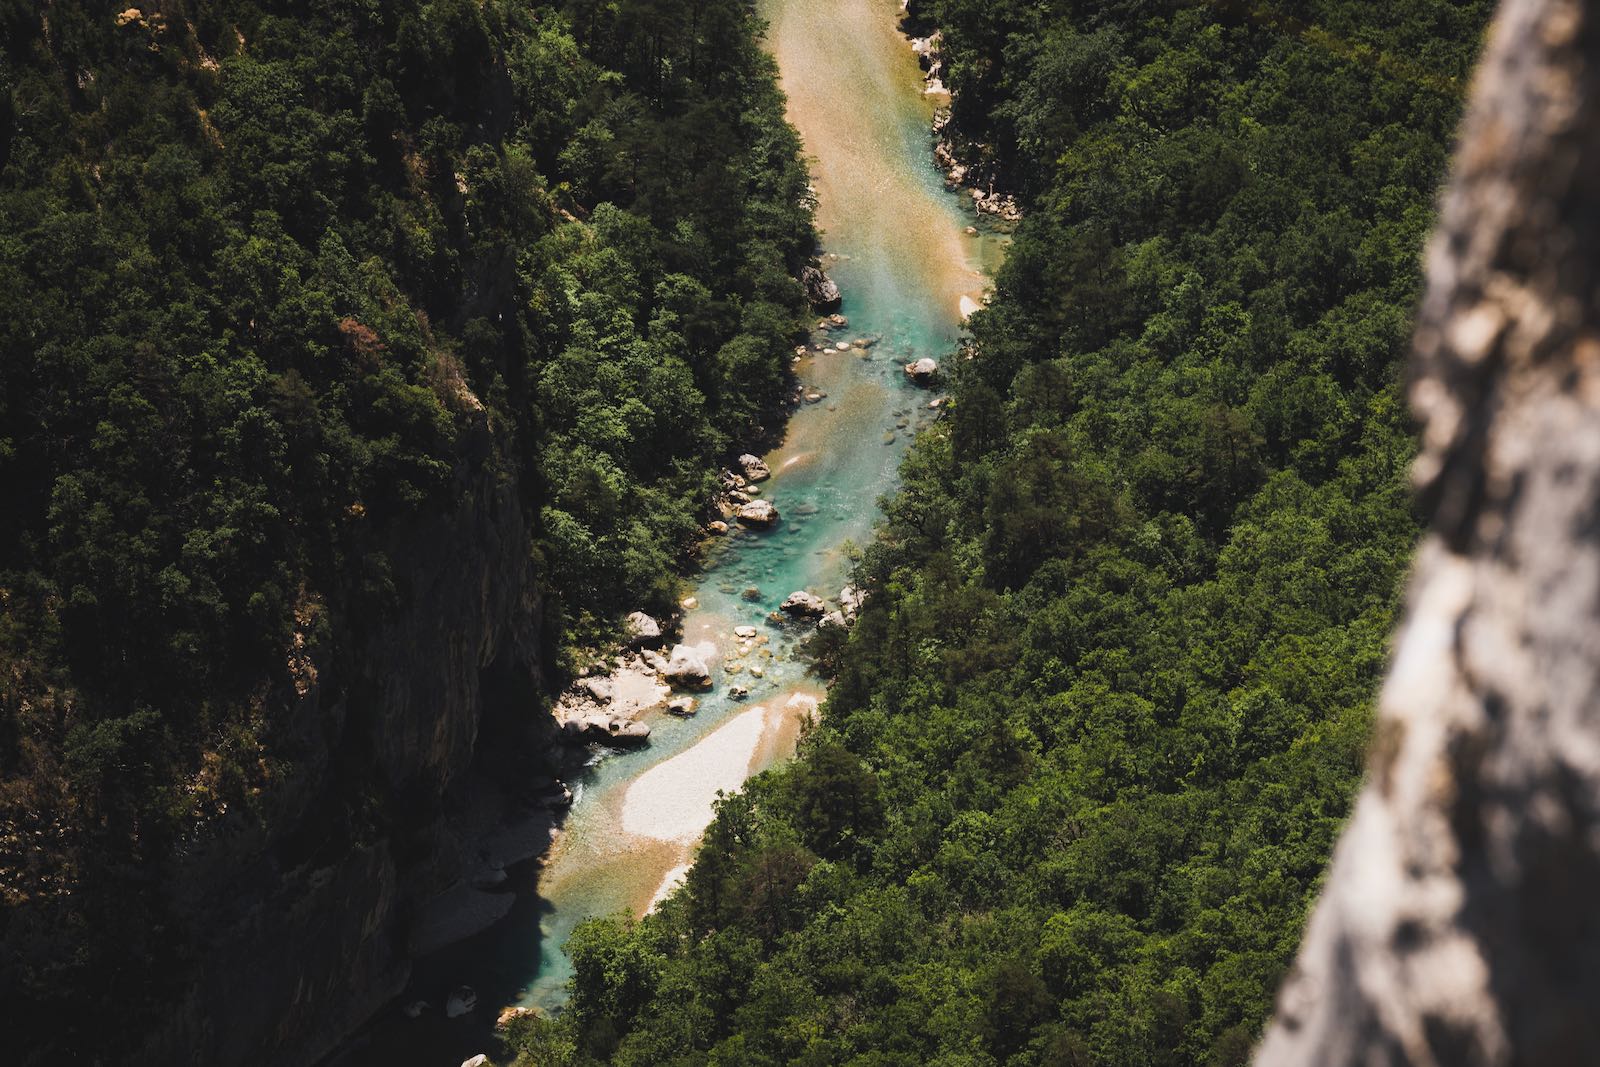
898 243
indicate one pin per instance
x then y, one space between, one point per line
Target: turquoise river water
900 247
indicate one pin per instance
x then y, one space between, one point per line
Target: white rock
754 469
480 1060
758 513
687 667
922 370
801 602
642 629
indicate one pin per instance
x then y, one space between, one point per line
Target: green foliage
283 285
1095 731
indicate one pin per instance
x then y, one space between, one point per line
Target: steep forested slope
1091 739
350 354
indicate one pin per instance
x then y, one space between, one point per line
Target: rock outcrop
821 291
642 630
1457 926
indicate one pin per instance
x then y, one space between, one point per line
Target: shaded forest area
1091 741
280 285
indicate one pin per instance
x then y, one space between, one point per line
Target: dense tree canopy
1090 742
280 282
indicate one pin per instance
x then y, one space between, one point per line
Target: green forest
1087 750
281 283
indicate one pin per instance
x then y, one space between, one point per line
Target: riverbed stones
754 469
922 370
681 706
759 513
744 633
833 620
687 668
717 526
803 604
821 291
607 729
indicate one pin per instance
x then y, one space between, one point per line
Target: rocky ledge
963 162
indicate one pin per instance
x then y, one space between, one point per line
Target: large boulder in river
642 630
820 289
922 371
806 605
758 513
754 469
687 668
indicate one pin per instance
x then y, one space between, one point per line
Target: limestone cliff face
298 934
1458 927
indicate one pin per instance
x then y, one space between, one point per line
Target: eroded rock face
1458 925
325 929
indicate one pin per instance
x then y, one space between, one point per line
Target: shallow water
894 241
